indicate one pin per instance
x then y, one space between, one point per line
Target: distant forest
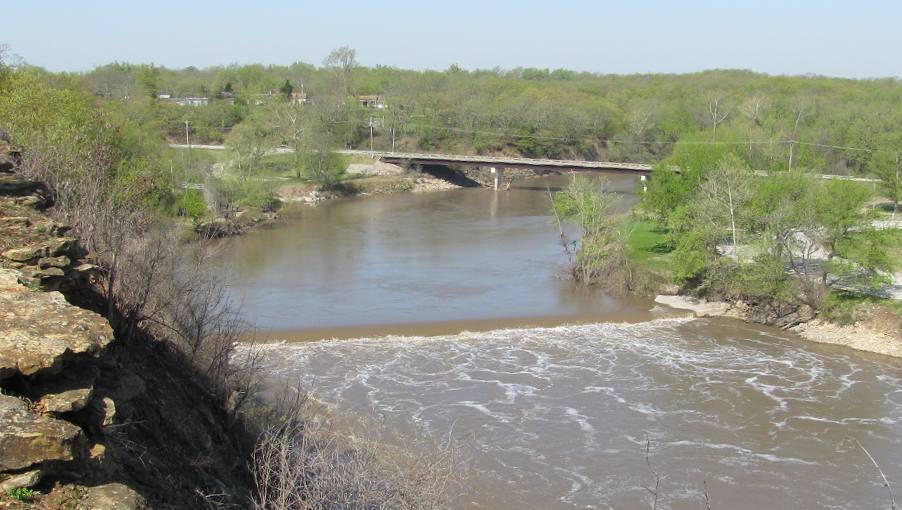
825 124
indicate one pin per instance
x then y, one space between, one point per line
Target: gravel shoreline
861 336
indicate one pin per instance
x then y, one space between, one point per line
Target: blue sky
853 39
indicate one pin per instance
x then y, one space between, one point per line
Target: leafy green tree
148 78
839 209
286 89
714 211
601 256
886 165
250 142
675 179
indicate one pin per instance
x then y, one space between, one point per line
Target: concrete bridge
497 165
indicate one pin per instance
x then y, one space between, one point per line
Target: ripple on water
558 417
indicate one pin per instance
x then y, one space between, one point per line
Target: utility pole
188 143
371 133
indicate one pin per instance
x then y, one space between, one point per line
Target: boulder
103 411
7 163
52 248
126 386
699 307
18 186
26 479
25 254
28 439
781 316
38 330
62 246
50 272
65 401
57 262
113 496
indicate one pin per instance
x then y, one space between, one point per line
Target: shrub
191 204
303 461
23 494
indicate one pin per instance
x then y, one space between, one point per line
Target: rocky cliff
89 420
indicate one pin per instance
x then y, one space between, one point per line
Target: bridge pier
498 172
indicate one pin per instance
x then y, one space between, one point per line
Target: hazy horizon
807 37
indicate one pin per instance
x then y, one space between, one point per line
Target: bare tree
303 461
293 126
722 195
801 107
343 61
754 107
655 492
641 119
886 484
148 280
718 109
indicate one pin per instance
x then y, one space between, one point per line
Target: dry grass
305 461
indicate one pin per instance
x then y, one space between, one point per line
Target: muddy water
462 255
556 417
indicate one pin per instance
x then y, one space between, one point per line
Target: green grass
278 165
648 246
846 308
855 248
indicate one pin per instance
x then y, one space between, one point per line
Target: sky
858 39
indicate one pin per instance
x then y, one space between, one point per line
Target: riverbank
879 332
91 417
376 179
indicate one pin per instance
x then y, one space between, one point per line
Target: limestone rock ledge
38 330
700 308
27 439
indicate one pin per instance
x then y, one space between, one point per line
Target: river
556 392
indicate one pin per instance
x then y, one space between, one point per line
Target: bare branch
886 483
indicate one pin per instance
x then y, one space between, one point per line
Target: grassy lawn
855 247
845 308
648 246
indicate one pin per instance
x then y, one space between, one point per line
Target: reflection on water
416 257
557 418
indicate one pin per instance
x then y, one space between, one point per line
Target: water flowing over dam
558 417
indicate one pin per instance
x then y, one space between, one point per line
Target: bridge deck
489 161
508 162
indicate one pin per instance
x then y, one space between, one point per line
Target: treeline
829 125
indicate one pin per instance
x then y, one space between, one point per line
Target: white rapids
557 418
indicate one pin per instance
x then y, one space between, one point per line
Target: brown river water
451 316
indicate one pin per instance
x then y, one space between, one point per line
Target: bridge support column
499 176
